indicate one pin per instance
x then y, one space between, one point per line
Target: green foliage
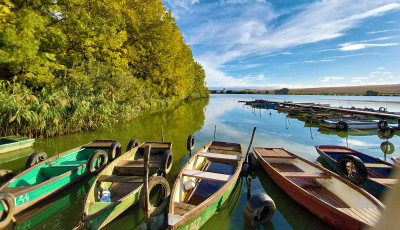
89 63
371 92
282 91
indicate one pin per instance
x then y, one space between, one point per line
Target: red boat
328 196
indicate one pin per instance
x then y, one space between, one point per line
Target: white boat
350 124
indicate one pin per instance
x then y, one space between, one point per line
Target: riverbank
383 90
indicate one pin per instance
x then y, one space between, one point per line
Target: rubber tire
382 109
190 142
382 124
253 162
114 151
132 144
35 158
5 175
6 218
342 125
166 161
153 181
386 133
96 155
387 147
259 210
362 172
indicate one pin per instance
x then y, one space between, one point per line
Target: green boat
123 180
11 143
204 184
52 175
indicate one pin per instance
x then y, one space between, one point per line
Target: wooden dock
382 115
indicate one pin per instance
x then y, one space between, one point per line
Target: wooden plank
376 165
304 175
270 152
286 167
387 181
121 179
218 156
207 175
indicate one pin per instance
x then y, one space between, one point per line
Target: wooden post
146 178
162 133
251 142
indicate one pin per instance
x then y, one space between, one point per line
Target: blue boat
379 172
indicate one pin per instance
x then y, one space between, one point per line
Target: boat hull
331 216
15 143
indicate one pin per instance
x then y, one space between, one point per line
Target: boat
53 175
123 180
330 197
350 124
204 184
11 143
379 171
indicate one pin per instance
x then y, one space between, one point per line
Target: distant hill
393 90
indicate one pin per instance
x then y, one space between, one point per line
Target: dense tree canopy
123 52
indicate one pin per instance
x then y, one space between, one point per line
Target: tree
282 91
371 92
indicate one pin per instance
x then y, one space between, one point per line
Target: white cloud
326 79
382 31
351 47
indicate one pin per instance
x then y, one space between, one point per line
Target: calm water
234 122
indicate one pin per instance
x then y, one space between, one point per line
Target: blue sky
294 44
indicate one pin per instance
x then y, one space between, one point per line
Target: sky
247 44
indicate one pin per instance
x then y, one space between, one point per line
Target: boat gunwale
210 200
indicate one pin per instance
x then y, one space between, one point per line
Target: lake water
234 123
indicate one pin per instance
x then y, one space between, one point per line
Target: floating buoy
35 158
352 169
259 210
387 147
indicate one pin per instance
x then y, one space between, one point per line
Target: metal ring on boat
7 202
387 147
100 157
352 169
259 210
190 142
166 191
35 158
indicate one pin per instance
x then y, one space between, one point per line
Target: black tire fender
100 157
382 109
7 200
166 161
190 142
166 191
5 175
382 124
259 210
35 158
252 161
387 147
342 125
114 151
386 133
348 162
132 144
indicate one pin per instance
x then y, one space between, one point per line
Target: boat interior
205 175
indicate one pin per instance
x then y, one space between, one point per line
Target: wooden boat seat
377 165
219 156
182 208
120 179
366 215
207 175
272 153
387 181
304 175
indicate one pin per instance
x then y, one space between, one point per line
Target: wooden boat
124 179
350 124
11 143
379 171
333 199
204 184
53 175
